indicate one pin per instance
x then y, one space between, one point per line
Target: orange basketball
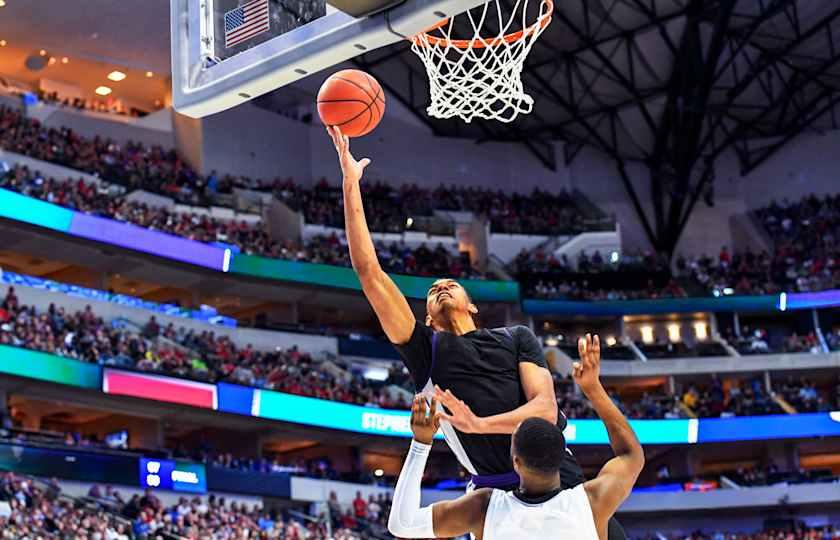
352 100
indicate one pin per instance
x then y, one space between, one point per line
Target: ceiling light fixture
2 42
43 52
52 60
116 76
149 74
103 90
2 3
65 60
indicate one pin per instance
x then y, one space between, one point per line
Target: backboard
225 52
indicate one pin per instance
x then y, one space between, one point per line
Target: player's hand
350 168
587 371
460 415
424 426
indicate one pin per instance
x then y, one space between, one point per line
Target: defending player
540 508
500 374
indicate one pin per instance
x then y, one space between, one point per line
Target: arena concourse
186 351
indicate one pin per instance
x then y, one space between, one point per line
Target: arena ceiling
625 75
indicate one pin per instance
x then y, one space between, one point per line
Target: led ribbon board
173 475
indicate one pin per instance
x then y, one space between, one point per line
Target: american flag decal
246 21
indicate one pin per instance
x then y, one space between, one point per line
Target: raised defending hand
350 168
460 415
587 371
424 426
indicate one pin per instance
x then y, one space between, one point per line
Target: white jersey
566 515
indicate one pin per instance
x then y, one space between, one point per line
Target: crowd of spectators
805 257
107 106
757 340
715 399
737 398
594 276
804 395
155 169
362 514
806 234
829 532
249 238
33 509
204 356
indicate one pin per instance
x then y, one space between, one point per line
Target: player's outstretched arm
388 302
616 479
441 520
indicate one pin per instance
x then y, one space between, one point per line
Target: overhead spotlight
611 341
674 333
2 42
647 334
2 3
116 76
149 74
102 90
157 103
65 60
379 473
52 60
409 222
701 331
42 52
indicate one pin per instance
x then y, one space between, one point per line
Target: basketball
353 101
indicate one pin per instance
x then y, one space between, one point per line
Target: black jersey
482 369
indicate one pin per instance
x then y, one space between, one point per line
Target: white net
481 77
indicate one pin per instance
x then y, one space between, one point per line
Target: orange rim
478 43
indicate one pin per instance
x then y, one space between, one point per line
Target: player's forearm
407 519
362 250
505 423
622 438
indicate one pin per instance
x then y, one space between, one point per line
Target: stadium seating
154 169
30 508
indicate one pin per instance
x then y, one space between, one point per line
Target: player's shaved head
539 445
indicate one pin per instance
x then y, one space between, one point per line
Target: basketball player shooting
540 507
500 375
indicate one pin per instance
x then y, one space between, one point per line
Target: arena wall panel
121 129
48 367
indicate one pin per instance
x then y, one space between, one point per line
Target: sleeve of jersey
417 354
407 519
530 349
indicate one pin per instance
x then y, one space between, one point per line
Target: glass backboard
225 52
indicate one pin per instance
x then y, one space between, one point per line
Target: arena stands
30 508
154 169
203 356
806 258
714 399
107 107
248 238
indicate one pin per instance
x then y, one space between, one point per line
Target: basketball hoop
481 77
